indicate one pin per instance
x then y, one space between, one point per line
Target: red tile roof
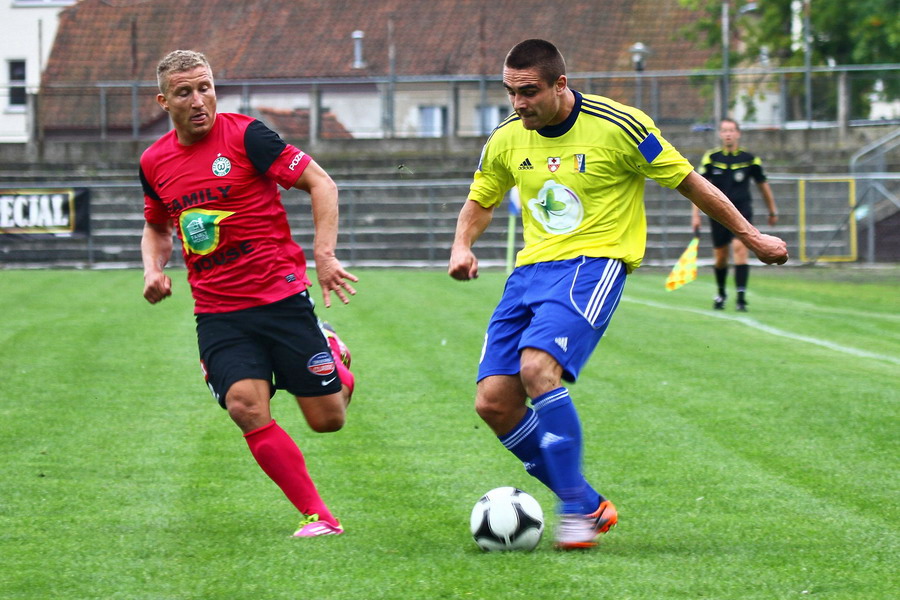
122 40
294 124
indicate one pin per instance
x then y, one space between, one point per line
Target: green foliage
844 33
848 33
751 456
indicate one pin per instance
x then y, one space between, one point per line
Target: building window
16 80
489 116
432 121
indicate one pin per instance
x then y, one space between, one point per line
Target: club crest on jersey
580 163
321 364
200 229
221 166
553 163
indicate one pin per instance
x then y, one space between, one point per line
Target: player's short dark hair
537 54
732 121
178 61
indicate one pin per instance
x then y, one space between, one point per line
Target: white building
27 29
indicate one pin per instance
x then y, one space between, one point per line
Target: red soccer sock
346 376
283 462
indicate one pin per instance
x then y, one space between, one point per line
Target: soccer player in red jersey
214 180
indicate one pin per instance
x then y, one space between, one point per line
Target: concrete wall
796 148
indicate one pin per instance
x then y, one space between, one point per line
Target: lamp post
726 58
639 52
726 50
807 63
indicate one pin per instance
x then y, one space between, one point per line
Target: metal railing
412 223
390 107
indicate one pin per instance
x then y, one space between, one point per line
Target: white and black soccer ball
506 518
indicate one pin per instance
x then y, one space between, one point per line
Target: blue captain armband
650 148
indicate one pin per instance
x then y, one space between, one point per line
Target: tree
857 32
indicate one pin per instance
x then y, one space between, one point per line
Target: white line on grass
850 312
749 322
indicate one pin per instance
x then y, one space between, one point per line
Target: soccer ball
506 518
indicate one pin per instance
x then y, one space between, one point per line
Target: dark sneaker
719 302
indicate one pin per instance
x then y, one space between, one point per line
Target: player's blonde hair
179 61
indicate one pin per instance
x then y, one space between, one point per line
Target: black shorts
721 235
279 342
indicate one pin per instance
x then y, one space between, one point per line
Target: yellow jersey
581 182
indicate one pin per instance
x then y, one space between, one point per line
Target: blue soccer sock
524 442
559 429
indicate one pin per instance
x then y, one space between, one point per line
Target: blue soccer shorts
561 307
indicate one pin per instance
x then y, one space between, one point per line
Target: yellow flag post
685 270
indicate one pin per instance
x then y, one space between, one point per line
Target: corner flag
685 270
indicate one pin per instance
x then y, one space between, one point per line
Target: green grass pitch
751 456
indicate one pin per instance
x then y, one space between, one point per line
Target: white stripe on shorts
601 291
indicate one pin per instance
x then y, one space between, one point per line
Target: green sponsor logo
200 229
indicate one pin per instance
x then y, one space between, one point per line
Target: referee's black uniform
731 172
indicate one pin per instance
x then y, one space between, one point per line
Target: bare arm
473 220
708 198
695 217
766 192
323 195
156 248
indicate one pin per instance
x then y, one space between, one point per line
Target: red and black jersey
222 194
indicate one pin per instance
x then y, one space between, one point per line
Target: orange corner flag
685 270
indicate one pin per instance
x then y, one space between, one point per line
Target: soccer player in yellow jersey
579 162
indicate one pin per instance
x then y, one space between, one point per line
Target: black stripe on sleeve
628 118
148 189
616 122
263 145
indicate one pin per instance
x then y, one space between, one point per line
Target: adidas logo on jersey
526 165
562 342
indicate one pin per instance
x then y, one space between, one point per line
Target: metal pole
726 58
807 62
103 116
870 221
352 225
639 84
315 114
431 226
484 125
389 124
135 112
843 107
245 99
